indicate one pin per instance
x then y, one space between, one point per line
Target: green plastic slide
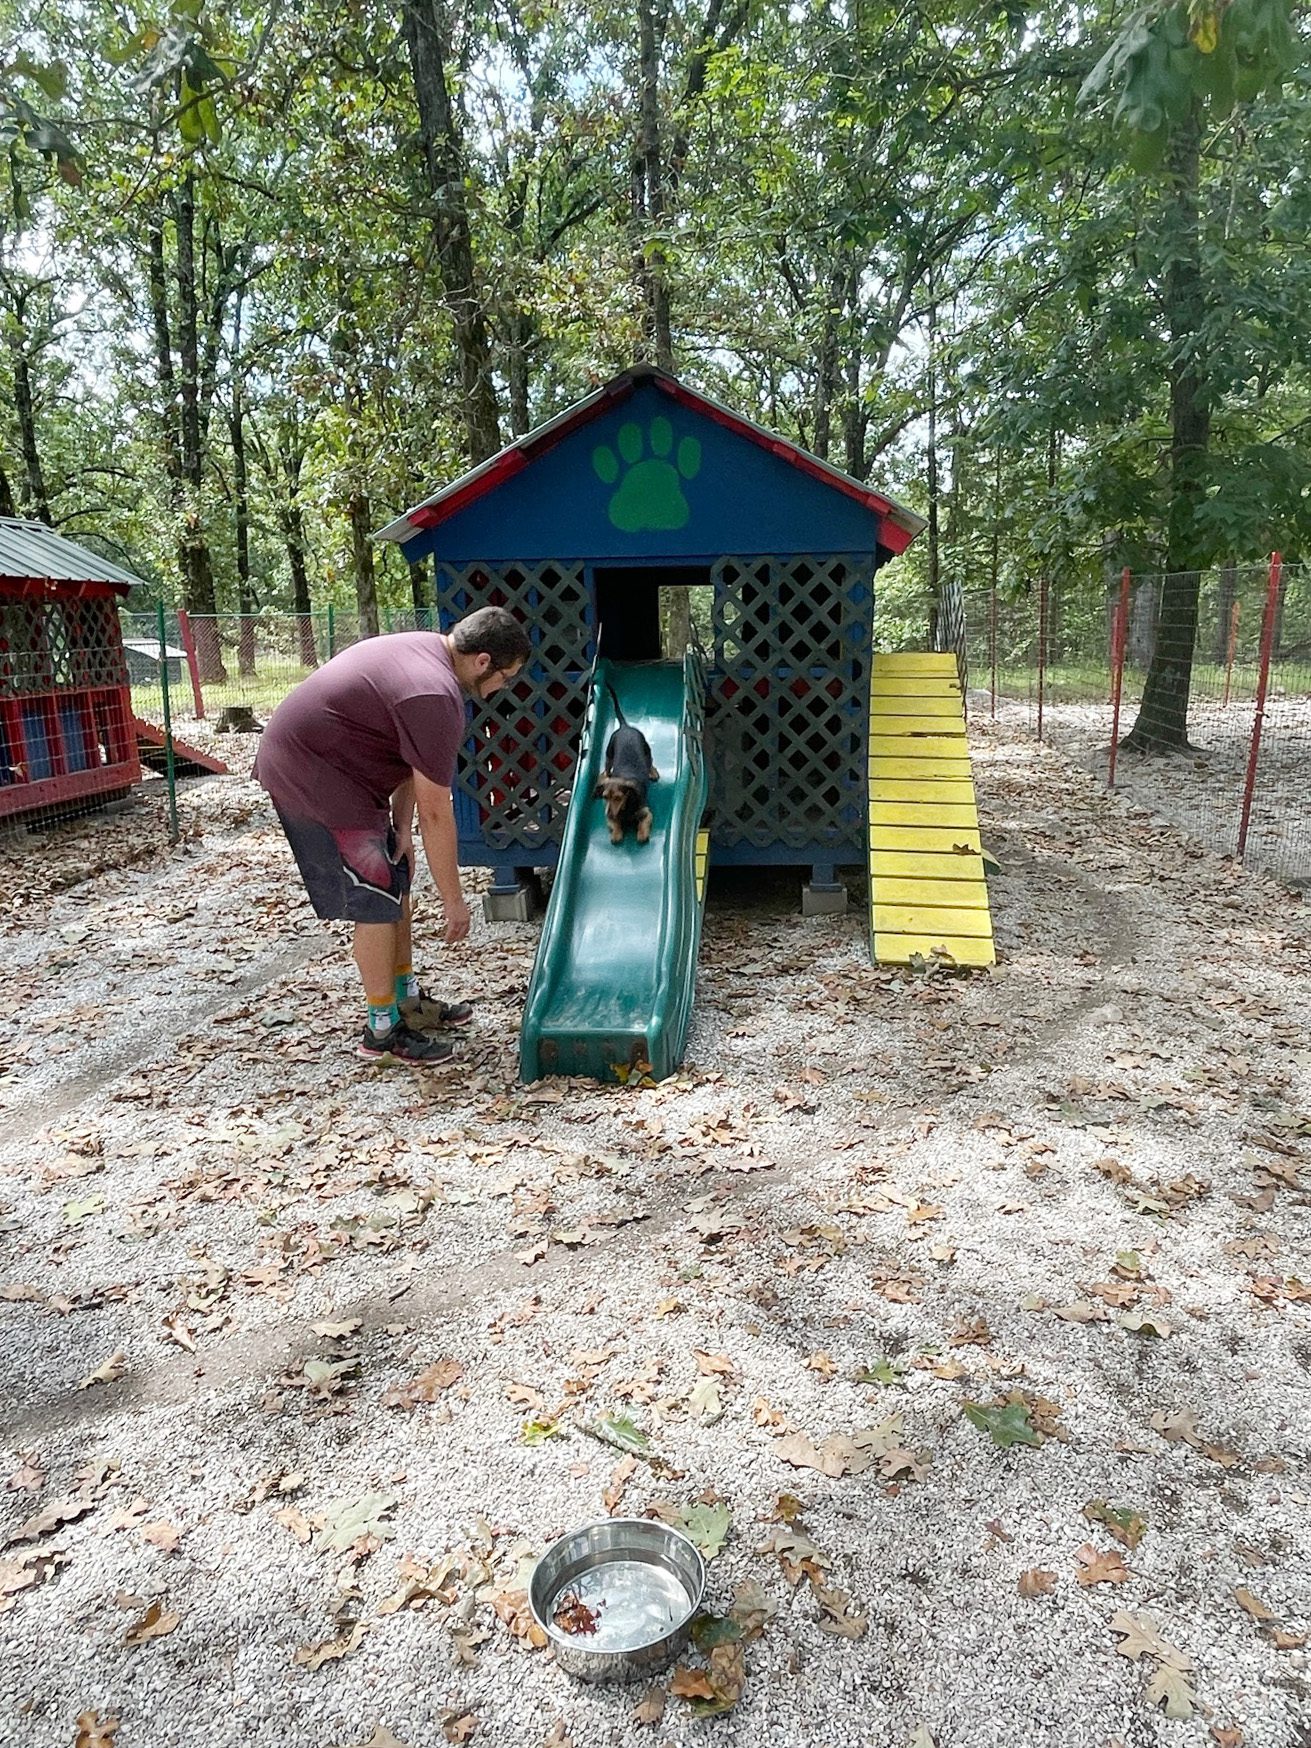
611 992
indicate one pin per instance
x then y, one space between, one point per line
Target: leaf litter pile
964 1324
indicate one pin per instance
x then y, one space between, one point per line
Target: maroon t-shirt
337 747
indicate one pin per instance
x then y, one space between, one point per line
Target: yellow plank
911 728
917 661
931 894
927 791
918 746
941 839
931 707
923 919
915 686
921 770
902 813
921 865
960 950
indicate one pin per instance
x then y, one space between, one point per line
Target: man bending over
347 758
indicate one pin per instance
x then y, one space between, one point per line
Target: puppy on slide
628 770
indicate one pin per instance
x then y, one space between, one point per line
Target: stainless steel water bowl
636 1582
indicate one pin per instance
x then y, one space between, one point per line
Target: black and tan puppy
628 770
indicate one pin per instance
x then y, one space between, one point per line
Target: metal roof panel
31 550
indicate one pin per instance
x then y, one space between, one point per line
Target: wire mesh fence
1191 692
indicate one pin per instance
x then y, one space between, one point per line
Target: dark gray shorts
350 872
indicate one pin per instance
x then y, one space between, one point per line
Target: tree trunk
197 569
366 587
1162 724
246 604
7 507
37 498
444 162
420 595
521 335
648 199
826 362
293 534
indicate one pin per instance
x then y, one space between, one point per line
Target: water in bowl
635 1603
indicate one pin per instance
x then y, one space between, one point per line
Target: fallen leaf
164 1536
336 1331
1179 1427
691 1684
1227 1736
573 1616
1170 1688
1142 1638
93 1731
623 1432
623 1474
706 1527
650 1708
1121 1522
921 1738
52 1516
330 1650
1098 1567
383 1738
1006 1423
1254 1606
347 1521
1037 1582
152 1625
840 1615
291 1517
108 1372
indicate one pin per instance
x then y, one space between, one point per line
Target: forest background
270 274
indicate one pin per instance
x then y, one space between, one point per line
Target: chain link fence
1191 693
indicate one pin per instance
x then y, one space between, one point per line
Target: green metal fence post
332 632
170 774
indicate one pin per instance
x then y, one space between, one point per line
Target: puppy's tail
619 709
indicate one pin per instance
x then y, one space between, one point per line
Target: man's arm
437 829
402 820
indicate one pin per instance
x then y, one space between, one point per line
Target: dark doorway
628 606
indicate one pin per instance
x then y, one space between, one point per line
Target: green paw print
650 495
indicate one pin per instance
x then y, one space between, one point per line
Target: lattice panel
524 741
789 699
51 646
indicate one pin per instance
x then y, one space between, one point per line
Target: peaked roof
34 552
898 525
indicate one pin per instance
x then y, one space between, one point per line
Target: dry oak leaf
1170 1688
1101 1567
1179 1427
713 1364
459 1726
330 1650
164 1536
840 1616
292 1518
1037 1582
1142 1638
93 1731
152 1625
1227 1736
383 1738
691 1684
650 1708
1254 1606
108 1372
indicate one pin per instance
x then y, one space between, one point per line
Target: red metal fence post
1263 678
189 644
1119 643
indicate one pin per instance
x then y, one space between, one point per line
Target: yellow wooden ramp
927 891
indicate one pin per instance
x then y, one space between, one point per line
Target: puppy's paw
644 825
653 775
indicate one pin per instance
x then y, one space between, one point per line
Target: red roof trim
516 456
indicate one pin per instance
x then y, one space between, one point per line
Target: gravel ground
358 1328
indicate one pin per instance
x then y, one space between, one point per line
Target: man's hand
457 922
